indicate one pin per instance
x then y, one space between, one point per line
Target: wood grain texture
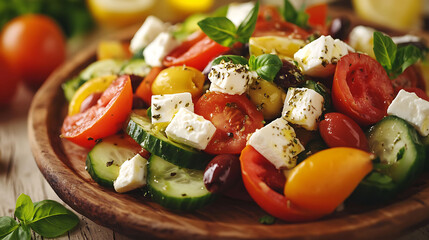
62 164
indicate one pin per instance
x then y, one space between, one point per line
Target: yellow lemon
118 13
95 85
285 47
397 14
191 6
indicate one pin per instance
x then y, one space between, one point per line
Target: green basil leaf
219 29
51 219
230 58
267 220
266 66
289 11
252 63
384 50
7 226
246 28
302 19
24 208
221 11
23 232
405 57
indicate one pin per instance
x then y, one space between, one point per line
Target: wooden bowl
63 165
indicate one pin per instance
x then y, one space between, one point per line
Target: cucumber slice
101 68
156 142
375 188
176 188
104 160
399 148
136 67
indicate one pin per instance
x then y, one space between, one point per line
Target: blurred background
85 21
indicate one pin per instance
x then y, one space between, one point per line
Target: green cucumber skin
374 192
172 202
415 146
90 169
165 150
179 204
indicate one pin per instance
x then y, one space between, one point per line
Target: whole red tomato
8 82
34 46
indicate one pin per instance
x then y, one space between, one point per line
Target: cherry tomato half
195 52
34 46
271 23
144 90
103 119
361 88
256 170
234 117
325 179
338 130
411 77
8 82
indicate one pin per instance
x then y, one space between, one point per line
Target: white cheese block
156 51
277 142
237 12
163 107
319 58
190 129
412 109
132 174
149 30
361 38
231 78
303 106
405 39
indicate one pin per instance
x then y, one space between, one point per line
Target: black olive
222 172
138 103
288 76
340 28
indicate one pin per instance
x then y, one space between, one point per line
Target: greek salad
275 105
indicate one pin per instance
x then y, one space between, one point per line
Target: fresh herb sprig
394 59
266 66
292 15
224 32
47 218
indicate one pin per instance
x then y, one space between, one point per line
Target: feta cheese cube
361 38
149 30
156 51
412 109
190 129
163 107
231 78
237 12
319 57
303 106
406 39
277 142
132 174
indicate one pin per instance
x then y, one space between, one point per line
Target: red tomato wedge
317 14
144 90
103 119
195 52
412 77
361 89
270 23
234 117
338 130
419 92
255 171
